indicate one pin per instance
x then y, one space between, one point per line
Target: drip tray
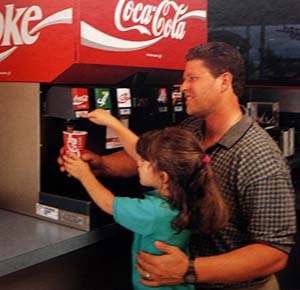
76 213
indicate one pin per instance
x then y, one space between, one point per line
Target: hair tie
206 159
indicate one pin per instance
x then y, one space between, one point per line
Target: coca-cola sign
41 39
15 28
35 37
142 33
167 19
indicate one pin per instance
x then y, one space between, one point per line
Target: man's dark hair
220 57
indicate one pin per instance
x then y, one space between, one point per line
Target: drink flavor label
177 98
47 211
112 140
80 97
102 98
177 101
162 99
123 97
162 96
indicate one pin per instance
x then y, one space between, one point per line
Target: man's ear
226 80
164 177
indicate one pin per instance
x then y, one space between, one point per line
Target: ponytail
192 188
210 213
203 209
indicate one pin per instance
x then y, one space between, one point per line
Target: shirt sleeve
135 214
269 210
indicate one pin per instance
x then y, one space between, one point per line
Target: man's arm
249 262
118 164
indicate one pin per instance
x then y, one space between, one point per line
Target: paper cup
75 141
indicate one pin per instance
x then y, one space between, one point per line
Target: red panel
39 40
141 33
36 39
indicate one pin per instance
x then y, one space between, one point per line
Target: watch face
190 278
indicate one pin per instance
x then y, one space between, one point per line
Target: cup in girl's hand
75 141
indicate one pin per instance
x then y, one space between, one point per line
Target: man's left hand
167 269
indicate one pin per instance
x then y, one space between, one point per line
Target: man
254 178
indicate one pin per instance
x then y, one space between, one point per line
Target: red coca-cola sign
36 39
40 39
80 98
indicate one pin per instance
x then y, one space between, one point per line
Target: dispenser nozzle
70 125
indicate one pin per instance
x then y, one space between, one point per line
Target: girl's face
148 175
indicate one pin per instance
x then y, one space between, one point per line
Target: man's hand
92 158
167 269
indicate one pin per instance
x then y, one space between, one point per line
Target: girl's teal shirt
150 219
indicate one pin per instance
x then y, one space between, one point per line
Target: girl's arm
79 169
126 136
103 197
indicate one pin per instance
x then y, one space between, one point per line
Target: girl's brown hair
193 189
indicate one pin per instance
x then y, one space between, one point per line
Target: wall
19 146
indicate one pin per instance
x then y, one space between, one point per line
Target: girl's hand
100 117
75 166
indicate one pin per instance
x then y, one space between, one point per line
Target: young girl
185 198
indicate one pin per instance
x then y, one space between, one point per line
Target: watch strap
190 276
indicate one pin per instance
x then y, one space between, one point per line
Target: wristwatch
190 274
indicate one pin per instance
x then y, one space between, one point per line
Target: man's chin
194 114
189 112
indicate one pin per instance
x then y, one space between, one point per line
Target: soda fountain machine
62 198
124 56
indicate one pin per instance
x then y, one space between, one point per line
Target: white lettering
146 14
15 18
1 25
167 19
33 13
128 10
16 28
136 17
80 99
164 19
10 27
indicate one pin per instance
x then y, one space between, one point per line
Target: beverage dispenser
62 198
55 50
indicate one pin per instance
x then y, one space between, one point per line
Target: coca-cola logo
77 100
21 26
165 20
72 144
15 23
123 98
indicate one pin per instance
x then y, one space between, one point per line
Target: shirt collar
234 134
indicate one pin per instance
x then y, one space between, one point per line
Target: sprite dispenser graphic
103 98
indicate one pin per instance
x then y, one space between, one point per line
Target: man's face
201 89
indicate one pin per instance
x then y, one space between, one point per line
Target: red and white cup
75 141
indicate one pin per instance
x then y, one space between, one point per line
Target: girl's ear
164 177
